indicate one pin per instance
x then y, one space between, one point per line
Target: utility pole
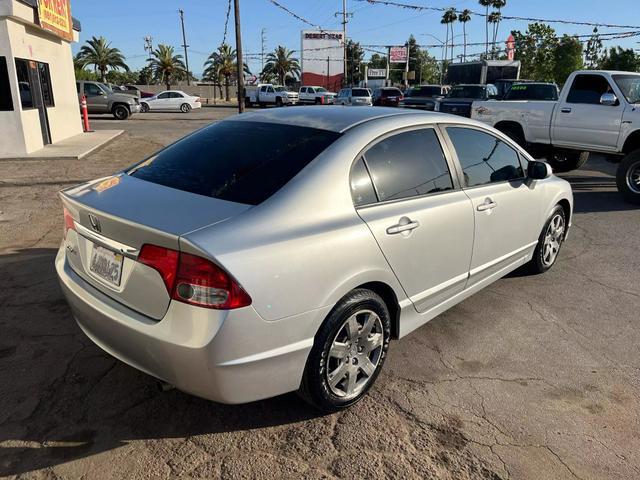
240 63
327 87
345 15
406 69
184 44
148 47
263 40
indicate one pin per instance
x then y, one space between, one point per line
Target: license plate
107 265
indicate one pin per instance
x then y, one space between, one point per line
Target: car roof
333 117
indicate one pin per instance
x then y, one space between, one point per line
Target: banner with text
55 16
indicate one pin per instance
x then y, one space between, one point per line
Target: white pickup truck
265 94
598 111
315 95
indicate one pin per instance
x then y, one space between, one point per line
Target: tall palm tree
498 5
463 18
444 21
99 53
494 18
449 18
166 66
486 4
282 64
221 66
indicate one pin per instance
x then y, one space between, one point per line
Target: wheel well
506 125
567 209
118 104
632 142
390 299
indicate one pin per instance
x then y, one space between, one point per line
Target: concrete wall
20 130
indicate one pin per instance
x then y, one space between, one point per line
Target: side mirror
609 99
539 170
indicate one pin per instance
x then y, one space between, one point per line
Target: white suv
354 96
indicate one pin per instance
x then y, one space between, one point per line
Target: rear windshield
360 92
391 92
243 162
528 91
467 91
424 92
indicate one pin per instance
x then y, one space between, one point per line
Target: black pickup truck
461 97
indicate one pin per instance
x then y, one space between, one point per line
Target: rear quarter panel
534 116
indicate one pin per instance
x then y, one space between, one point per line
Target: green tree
567 58
355 56
145 76
624 59
220 66
463 18
594 52
497 18
167 67
486 4
122 78
282 64
378 61
448 19
99 53
535 49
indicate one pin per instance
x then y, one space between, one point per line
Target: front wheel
120 112
278 102
566 160
628 178
185 108
348 352
144 107
549 242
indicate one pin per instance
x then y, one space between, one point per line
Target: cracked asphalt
536 377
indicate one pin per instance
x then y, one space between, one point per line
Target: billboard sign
322 58
377 73
55 16
398 54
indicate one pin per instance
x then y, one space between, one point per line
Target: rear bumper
226 356
135 108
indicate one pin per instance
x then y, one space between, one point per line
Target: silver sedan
282 250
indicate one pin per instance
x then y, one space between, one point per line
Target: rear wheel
628 177
348 352
185 108
144 107
247 102
549 242
278 102
120 112
566 160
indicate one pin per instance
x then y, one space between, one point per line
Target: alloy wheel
355 354
552 240
633 178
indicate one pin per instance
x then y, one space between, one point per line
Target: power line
409 6
226 23
295 15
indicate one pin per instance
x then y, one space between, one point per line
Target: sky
125 23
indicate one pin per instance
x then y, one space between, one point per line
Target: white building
38 98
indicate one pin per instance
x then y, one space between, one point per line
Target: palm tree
444 21
221 66
494 18
99 53
498 5
449 18
486 4
463 18
166 66
281 63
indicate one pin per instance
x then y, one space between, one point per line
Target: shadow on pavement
63 398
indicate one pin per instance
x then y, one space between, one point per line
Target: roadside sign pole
240 63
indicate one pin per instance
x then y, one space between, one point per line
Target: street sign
377 73
398 54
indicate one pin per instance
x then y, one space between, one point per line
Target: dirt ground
533 378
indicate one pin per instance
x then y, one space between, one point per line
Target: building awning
34 4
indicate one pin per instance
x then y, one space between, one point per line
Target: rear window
360 92
425 91
243 162
391 92
527 91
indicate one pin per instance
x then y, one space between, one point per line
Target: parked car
598 111
354 96
170 100
460 98
283 250
532 91
387 96
101 99
422 97
316 95
268 94
141 93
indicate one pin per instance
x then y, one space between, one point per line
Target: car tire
549 242
317 101
345 359
247 102
120 112
278 102
144 107
628 177
185 108
565 160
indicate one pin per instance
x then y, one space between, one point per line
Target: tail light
194 280
69 223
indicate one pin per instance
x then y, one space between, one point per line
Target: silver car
282 250
358 97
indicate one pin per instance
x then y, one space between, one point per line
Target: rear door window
408 164
238 161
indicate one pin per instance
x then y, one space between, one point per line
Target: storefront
38 99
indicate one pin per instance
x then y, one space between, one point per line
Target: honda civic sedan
283 250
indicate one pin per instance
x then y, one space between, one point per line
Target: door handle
405 225
487 205
565 110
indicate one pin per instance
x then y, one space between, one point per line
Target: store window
24 83
45 82
34 79
6 103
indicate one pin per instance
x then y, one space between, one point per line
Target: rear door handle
565 110
405 225
487 205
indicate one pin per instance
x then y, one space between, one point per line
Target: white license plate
106 264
